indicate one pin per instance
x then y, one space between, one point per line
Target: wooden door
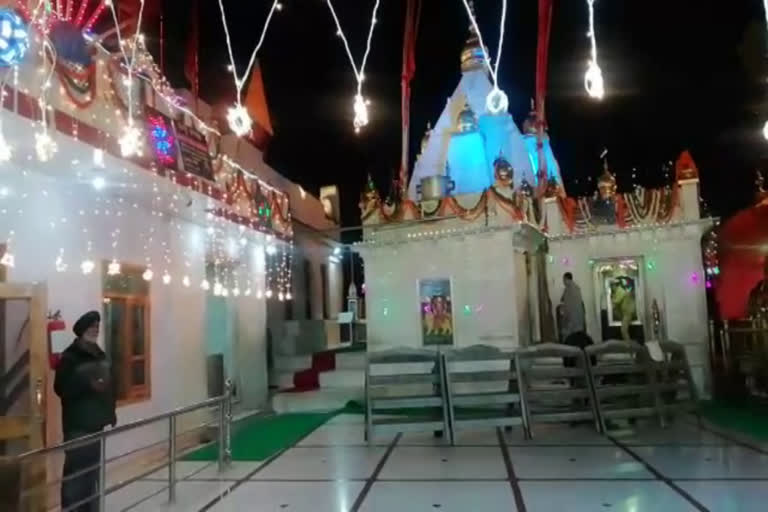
23 374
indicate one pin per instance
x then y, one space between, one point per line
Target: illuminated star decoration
130 140
14 38
237 116
593 79
496 102
360 104
45 146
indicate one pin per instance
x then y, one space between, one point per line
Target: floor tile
575 462
650 496
340 462
184 468
486 437
557 434
729 496
460 463
705 461
235 471
190 496
342 434
440 496
291 497
132 494
678 433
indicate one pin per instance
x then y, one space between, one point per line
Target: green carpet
260 438
747 418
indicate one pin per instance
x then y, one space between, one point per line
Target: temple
476 250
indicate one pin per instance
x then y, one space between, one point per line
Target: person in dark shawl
84 385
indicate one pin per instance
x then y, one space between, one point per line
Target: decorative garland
80 79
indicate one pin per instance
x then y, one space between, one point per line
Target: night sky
682 74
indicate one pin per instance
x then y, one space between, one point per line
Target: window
126 333
324 278
308 288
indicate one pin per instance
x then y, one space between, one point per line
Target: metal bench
404 392
482 389
554 386
623 382
676 391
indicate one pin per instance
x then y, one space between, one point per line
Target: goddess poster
436 311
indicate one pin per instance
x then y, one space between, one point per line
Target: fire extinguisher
55 324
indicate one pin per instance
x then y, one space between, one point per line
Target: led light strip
237 116
360 104
593 79
496 101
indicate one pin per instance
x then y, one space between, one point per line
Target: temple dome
466 120
472 57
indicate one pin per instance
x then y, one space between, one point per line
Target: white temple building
482 240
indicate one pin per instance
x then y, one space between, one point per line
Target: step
343 379
350 361
281 379
321 400
293 363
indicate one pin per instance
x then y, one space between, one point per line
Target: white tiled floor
563 469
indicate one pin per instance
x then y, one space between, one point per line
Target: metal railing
739 352
222 403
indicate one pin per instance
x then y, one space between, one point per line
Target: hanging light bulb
268 294
360 107
205 285
87 266
98 158
259 294
496 101
45 146
236 291
217 288
6 152
239 120
8 259
148 275
185 281
593 81
166 278
113 268
130 141
60 265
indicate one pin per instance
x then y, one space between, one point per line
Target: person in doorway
572 314
624 307
84 385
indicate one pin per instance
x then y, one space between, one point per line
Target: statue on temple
503 173
369 199
757 305
604 205
466 120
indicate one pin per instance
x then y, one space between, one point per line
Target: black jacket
84 409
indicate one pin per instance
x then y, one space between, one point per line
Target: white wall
676 254
46 217
487 275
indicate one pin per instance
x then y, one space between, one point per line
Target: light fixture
259 294
8 259
239 120
98 183
130 141
166 278
148 275
205 285
87 266
98 158
268 294
185 281
236 291
288 296
271 250
45 146
113 268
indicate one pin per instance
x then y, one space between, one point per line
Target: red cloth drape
412 15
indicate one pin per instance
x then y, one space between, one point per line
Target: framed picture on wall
436 306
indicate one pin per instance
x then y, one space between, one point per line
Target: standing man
84 386
573 316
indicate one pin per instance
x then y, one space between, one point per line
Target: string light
87 266
186 282
237 116
593 79
113 268
45 146
130 141
497 101
360 104
166 278
205 285
148 275
59 264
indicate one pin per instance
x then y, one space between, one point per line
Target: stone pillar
689 199
555 224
